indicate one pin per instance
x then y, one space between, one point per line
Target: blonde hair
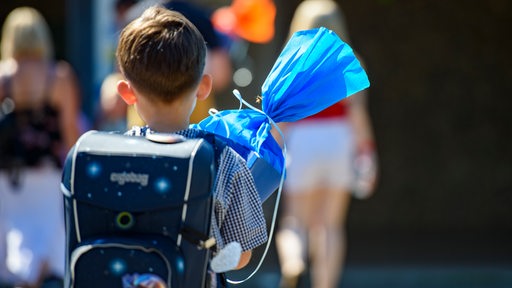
319 13
25 33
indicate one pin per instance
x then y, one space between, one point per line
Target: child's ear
205 87
126 92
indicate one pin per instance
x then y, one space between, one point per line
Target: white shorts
31 224
320 154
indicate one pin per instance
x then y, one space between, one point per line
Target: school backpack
138 206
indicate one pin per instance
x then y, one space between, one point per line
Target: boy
162 56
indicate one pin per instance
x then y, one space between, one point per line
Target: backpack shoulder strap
218 145
199 239
202 241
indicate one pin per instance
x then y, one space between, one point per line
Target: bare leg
327 237
291 240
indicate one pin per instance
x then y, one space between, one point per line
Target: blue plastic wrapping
315 70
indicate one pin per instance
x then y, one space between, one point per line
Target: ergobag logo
130 177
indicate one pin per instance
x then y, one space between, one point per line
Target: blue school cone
315 70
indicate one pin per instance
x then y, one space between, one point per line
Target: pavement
400 259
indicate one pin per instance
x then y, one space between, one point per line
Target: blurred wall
441 76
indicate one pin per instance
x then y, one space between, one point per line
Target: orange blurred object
252 20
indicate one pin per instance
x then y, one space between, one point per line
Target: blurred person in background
324 156
39 121
112 110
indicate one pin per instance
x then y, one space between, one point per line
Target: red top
339 109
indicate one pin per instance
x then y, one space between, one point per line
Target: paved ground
389 259
406 277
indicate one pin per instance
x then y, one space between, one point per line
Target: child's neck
167 124
168 118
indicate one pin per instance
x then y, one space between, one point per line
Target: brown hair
162 54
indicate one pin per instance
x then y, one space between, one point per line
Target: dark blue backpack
137 206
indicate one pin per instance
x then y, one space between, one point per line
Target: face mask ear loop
279 190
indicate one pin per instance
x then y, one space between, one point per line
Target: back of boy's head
161 54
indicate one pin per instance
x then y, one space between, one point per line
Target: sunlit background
440 102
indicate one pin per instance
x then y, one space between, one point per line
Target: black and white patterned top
238 214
